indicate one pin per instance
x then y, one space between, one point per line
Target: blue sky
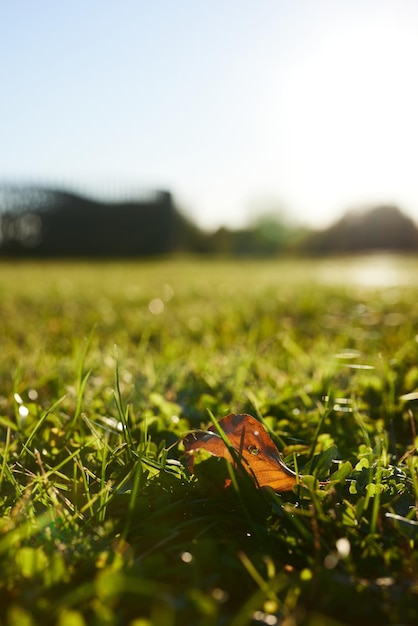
235 106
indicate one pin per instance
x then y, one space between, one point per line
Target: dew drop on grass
186 557
156 306
343 547
32 394
17 398
385 581
270 607
331 560
23 411
265 618
112 423
219 594
348 354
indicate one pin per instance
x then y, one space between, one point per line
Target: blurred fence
42 221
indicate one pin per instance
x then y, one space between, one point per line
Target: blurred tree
273 233
384 228
267 235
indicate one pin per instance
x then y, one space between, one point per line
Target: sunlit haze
306 106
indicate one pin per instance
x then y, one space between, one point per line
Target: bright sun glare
353 103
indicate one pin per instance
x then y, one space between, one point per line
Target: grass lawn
106 367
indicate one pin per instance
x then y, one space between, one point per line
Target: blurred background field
189 310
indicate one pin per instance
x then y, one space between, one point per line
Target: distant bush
268 235
378 228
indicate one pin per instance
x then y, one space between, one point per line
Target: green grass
105 367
